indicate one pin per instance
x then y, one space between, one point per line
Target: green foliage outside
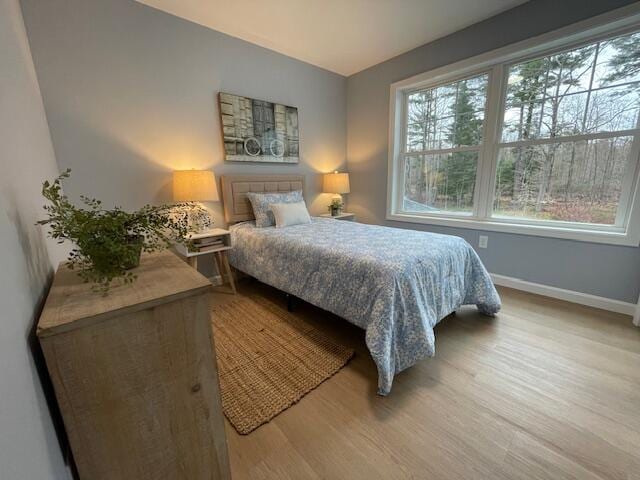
584 91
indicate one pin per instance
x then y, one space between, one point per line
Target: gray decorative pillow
261 204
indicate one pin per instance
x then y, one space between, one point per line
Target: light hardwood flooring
546 390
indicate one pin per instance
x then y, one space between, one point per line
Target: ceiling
344 36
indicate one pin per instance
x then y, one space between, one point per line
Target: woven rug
268 359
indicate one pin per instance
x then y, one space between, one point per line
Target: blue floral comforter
394 283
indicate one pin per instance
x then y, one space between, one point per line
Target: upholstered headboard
237 207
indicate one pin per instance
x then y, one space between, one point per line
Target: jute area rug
268 359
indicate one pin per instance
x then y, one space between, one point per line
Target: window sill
499 225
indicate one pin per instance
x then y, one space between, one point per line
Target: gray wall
28 445
130 95
608 271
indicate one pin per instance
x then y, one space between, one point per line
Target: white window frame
495 63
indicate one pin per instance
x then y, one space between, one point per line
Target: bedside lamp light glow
336 183
194 186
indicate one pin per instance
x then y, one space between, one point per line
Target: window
443 138
544 143
566 143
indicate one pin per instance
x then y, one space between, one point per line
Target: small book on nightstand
204 242
210 248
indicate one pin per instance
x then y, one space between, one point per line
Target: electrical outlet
483 241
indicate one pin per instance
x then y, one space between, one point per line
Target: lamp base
196 223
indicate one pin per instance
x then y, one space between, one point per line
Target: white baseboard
216 280
572 296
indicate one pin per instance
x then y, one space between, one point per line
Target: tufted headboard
237 207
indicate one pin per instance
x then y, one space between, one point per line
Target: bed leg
290 300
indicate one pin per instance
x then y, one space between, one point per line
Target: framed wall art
258 131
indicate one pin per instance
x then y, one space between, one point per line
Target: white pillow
287 214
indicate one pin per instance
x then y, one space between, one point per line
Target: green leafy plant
108 243
336 206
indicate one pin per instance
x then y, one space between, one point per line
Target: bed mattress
396 284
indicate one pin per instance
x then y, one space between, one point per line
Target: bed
396 284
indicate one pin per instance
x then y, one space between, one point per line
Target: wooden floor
546 390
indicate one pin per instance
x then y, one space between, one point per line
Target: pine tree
527 94
625 63
460 167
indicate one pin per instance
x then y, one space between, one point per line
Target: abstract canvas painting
258 131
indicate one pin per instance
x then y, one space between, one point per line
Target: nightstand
216 241
343 216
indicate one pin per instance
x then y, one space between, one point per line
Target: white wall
29 448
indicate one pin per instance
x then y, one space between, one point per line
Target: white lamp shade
335 183
194 186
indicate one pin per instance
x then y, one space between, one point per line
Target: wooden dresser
135 374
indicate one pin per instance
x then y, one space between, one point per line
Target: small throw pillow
261 202
287 214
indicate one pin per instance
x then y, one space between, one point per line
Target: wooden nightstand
216 241
343 216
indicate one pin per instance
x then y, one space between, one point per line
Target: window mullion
571 138
400 185
469 148
399 162
628 184
485 180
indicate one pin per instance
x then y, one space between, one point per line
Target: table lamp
336 183
194 186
